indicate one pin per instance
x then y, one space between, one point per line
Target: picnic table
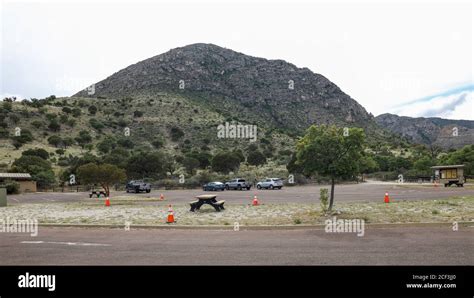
207 199
97 193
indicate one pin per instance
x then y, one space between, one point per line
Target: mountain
444 133
270 93
174 102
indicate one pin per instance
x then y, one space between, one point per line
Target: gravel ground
152 212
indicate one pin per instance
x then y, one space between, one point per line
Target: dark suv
238 183
138 186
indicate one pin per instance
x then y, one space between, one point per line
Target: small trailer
448 175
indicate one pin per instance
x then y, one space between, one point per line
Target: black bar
134 281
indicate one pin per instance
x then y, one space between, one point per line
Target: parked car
270 183
138 186
211 186
237 183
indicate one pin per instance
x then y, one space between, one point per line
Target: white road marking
66 243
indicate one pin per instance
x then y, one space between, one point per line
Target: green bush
323 199
176 134
12 187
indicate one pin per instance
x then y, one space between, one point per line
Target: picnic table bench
207 199
97 193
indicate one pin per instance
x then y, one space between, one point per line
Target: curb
262 227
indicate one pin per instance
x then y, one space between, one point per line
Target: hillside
430 131
168 109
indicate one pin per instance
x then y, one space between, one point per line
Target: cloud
457 103
448 107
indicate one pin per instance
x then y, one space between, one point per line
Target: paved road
300 194
390 246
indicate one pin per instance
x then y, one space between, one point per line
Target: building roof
15 176
448 167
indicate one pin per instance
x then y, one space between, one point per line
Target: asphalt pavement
378 246
296 194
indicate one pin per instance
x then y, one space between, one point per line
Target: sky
409 57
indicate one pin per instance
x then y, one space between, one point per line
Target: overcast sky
413 58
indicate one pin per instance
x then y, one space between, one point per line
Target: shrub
125 143
92 110
36 124
137 114
96 124
54 125
76 112
158 143
55 141
14 118
256 158
37 152
12 187
176 134
7 106
84 138
323 199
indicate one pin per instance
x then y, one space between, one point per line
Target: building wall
27 186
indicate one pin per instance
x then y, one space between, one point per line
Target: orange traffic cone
170 215
255 201
386 199
162 197
107 202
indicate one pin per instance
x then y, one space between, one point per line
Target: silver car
270 183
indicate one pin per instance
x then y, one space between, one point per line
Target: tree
118 157
327 151
292 165
367 165
67 142
204 158
256 158
191 164
84 138
39 169
146 165
54 126
463 156
239 154
105 175
105 145
55 141
423 165
435 151
224 162
23 138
